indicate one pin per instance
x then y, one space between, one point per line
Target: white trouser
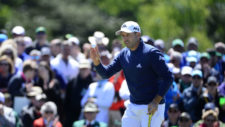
136 116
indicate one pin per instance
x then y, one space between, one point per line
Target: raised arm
105 71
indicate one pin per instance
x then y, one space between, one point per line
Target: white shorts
136 116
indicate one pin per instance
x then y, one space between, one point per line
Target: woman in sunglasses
209 119
6 72
49 116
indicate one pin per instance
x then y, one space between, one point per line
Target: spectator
178 45
76 89
21 49
86 50
192 45
146 39
18 31
90 111
8 48
186 79
211 94
184 120
20 84
209 119
191 96
220 47
64 64
46 55
8 117
75 50
49 116
117 109
116 47
175 59
173 115
55 47
204 66
50 85
32 111
41 38
161 46
35 55
6 72
101 92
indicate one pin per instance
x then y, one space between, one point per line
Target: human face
66 50
90 115
48 115
196 80
212 87
210 120
4 66
173 114
184 122
85 72
131 40
20 47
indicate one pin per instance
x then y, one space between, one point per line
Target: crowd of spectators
54 83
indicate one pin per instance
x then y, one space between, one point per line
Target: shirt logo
139 66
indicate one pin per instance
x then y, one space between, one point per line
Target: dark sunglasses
196 77
182 119
49 112
4 64
173 111
212 84
211 120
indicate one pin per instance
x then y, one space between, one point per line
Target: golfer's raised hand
95 56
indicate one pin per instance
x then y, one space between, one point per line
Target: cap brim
123 30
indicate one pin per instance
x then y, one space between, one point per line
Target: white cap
160 43
74 40
45 51
129 27
191 59
186 70
18 30
2 97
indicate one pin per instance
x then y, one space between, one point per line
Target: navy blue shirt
145 70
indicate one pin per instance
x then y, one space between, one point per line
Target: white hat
160 43
186 70
74 40
191 59
45 51
84 63
129 27
176 70
2 97
18 30
98 38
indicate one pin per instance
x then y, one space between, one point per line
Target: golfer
147 76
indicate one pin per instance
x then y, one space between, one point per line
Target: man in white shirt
101 93
64 64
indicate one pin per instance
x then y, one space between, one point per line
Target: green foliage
175 19
165 19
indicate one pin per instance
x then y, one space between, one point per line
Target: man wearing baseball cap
148 77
